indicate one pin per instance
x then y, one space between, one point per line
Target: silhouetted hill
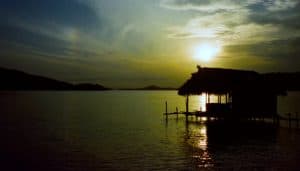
88 86
18 80
152 87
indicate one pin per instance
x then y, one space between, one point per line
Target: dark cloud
59 12
50 27
288 49
288 18
286 53
206 5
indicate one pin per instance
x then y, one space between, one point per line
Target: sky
135 43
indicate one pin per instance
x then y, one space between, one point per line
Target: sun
206 52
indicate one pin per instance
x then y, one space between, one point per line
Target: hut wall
254 104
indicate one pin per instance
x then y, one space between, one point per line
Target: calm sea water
125 130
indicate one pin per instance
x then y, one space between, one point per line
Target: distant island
151 87
18 80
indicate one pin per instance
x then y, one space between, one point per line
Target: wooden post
297 119
289 114
187 104
166 109
177 113
208 98
187 107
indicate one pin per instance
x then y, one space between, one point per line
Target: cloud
206 5
240 34
283 55
226 27
219 5
287 19
280 5
64 12
252 22
65 28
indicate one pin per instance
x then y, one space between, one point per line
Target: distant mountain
152 87
18 80
88 86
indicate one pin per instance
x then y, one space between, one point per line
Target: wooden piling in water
297 119
177 113
210 117
187 107
166 109
289 115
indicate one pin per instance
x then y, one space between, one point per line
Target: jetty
240 95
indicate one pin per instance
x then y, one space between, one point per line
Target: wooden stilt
208 98
187 104
166 110
289 114
187 107
177 113
297 119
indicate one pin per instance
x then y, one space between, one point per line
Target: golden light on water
203 118
206 52
202 156
202 143
203 131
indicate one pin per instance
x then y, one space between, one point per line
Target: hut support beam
226 98
208 98
187 104
187 107
166 110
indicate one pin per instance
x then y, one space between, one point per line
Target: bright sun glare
206 51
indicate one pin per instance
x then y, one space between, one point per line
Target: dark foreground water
121 130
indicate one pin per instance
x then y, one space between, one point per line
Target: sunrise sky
133 43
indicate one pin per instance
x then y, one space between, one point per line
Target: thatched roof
221 81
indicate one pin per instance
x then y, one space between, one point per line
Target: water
125 130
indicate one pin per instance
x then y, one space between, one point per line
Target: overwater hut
241 94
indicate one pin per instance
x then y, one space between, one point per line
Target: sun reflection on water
198 140
202 140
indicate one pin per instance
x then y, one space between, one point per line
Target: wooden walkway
209 117
276 119
196 114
